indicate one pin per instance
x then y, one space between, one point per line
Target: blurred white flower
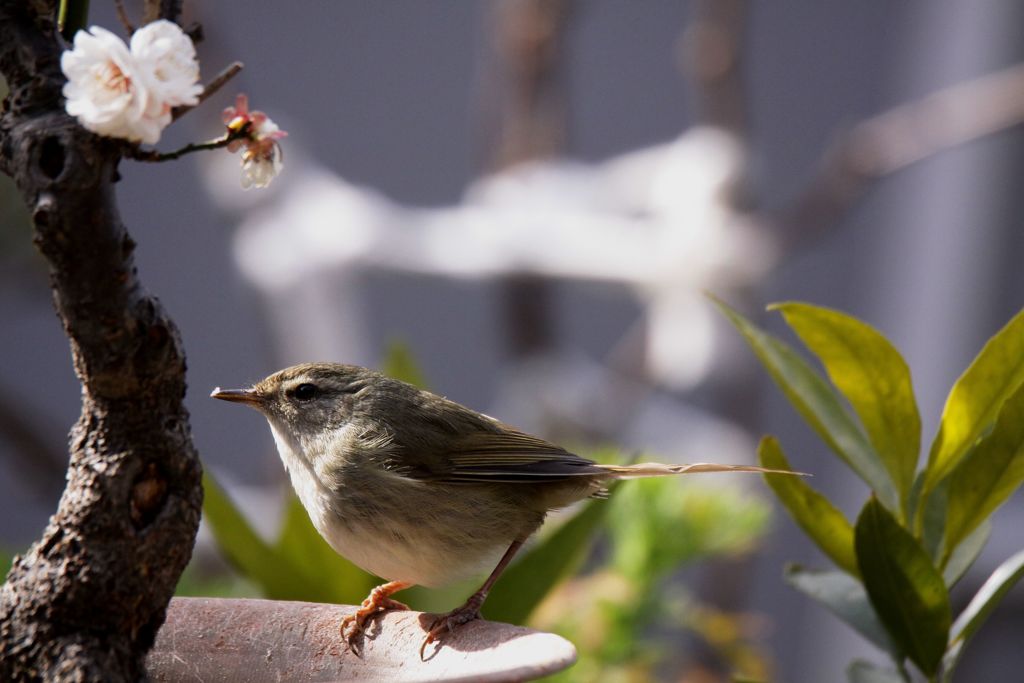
259 169
262 159
128 94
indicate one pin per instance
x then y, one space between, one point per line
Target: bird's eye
305 392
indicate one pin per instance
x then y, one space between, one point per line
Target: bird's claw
353 625
448 623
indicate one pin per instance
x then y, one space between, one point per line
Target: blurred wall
386 95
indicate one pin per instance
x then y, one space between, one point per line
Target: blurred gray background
390 95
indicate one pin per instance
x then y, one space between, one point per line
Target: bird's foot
379 600
449 622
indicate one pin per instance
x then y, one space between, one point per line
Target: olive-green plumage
413 487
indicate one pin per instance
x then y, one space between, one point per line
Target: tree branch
162 9
218 82
711 58
85 602
28 50
223 141
897 138
525 117
525 104
122 16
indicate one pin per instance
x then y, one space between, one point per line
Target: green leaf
966 553
819 404
987 598
301 566
242 546
863 672
906 590
845 597
815 514
325 575
988 475
933 515
554 557
984 601
72 17
873 377
976 399
399 363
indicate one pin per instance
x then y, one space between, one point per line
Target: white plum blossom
168 58
262 159
104 90
258 169
129 93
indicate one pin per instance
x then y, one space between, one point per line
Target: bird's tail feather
656 469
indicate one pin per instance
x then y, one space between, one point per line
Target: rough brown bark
85 602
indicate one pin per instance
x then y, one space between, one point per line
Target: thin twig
195 32
527 121
524 119
710 56
710 53
163 9
212 87
219 143
525 101
171 9
122 15
899 137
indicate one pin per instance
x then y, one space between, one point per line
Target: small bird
415 488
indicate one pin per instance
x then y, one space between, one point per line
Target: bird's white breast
389 544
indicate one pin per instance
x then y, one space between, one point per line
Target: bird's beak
247 396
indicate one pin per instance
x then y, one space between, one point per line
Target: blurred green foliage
625 615
6 560
298 565
922 528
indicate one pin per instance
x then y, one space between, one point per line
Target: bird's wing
511 457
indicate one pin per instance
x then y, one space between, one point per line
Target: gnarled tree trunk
85 602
